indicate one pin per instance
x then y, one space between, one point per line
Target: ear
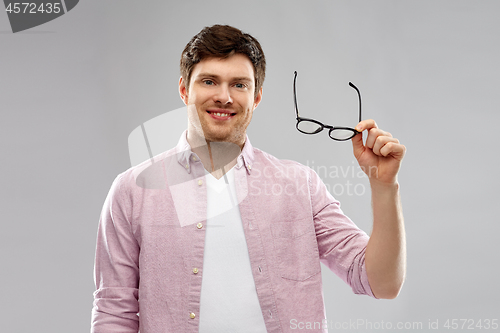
183 91
258 98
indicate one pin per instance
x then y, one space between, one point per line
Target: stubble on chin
202 131
214 135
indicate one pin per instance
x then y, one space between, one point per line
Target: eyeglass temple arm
295 94
359 98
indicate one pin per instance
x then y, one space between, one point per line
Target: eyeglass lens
341 134
309 127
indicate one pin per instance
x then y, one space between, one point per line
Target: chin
218 138
216 135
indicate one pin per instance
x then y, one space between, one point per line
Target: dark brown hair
222 41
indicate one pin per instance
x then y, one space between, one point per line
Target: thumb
357 145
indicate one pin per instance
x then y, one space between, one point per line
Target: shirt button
195 270
200 182
194 158
249 167
187 166
192 315
199 225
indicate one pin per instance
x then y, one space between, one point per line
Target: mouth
221 114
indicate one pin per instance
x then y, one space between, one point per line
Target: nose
222 95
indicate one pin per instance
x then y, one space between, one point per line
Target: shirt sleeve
116 268
341 244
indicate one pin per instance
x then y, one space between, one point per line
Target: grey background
74 89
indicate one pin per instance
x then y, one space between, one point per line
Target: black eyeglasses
311 126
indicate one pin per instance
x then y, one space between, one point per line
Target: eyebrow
210 75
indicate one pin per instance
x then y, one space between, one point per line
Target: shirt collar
185 156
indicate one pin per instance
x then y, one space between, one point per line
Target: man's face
220 99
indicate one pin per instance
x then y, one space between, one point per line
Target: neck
217 157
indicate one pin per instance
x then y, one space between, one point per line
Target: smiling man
194 240
220 94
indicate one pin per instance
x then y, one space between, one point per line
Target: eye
208 82
240 85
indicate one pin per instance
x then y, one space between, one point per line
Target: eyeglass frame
323 126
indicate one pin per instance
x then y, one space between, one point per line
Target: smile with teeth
221 114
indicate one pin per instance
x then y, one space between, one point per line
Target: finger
366 125
393 149
380 142
357 145
373 134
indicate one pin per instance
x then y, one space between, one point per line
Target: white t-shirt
229 300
